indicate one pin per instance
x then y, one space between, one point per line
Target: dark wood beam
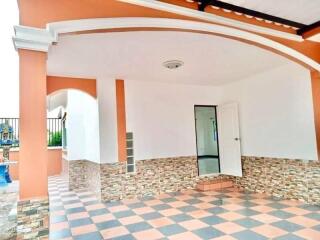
204 3
308 28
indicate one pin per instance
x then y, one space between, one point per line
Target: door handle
237 139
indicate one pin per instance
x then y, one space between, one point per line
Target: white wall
161 117
107 119
276 113
82 127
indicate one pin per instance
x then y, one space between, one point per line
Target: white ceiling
208 60
302 11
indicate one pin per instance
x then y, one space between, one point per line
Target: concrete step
216 184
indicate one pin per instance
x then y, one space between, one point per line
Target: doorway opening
207 139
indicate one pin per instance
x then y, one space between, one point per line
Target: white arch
24 35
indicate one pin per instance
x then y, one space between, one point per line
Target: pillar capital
30 38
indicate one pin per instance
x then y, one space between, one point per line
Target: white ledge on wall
30 38
212 18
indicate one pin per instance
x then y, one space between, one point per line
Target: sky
9 61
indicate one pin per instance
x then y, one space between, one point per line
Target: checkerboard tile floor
227 214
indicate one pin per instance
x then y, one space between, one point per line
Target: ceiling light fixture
173 64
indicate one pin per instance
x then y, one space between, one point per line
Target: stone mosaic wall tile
295 180
313 182
111 181
84 175
93 180
147 179
33 219
275 179
77 176
283 178
152 177
8 213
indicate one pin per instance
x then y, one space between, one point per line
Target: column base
33 219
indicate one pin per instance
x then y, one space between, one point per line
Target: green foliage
55 139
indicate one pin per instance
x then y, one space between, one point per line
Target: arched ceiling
208 59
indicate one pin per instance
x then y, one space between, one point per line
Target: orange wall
121 120
55 83
315 80
62 10
54 163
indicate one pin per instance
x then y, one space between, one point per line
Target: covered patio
179 119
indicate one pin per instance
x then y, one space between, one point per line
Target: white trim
17 149
212 18
30 38
143 22
315 38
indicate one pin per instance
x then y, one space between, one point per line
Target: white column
107 120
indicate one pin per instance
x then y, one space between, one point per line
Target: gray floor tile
123 214
248 222
248 212
281 214
80 222
180 217
212 220
287 226
208 233
171 229
108 224
89 236
137 227
248 235
289 237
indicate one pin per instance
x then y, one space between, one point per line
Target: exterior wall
82 127
84 175
276 121
284 178
54 162
161 117
65 164
152 177
86 85
276 113
108 120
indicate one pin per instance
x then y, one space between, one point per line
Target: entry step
209 185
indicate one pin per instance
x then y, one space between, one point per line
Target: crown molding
213 18
36 39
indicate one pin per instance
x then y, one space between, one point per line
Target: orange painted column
315 78
33 126
121 120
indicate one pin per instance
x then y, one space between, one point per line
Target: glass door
207 140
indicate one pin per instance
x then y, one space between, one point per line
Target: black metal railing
54 131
